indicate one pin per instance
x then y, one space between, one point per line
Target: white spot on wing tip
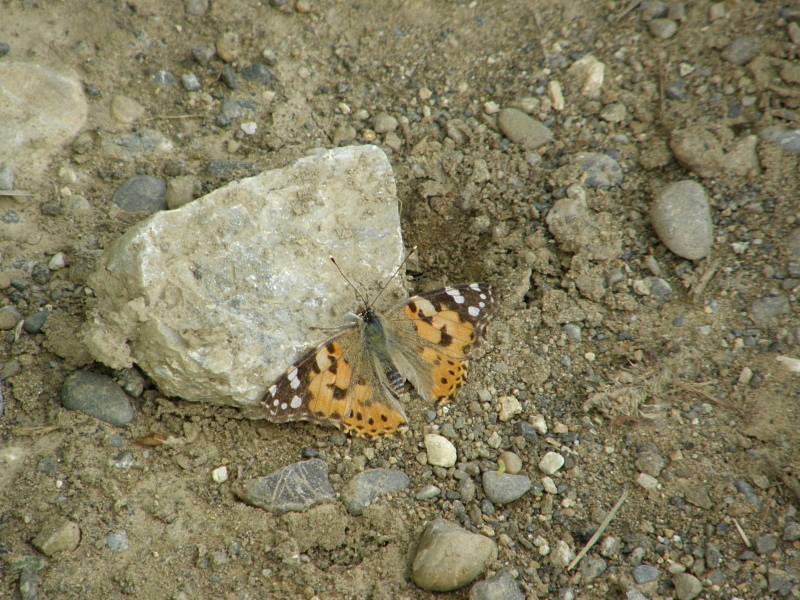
273 390
284 406
296 402
475 287
474 311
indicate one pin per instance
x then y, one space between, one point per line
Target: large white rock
215 299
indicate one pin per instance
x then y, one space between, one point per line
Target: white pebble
549 485
249 127
59 261
648 482
539 424
509 406
441 452
220 474
551 462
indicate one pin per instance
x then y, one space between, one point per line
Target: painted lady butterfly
353 379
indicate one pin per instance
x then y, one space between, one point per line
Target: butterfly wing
336 384
434 333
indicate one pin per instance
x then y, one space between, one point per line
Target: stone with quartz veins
217 298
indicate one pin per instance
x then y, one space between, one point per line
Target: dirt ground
693 380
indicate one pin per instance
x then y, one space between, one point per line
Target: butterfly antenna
410 252
355 289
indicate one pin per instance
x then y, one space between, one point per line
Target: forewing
435 333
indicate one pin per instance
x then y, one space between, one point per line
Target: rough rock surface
214 300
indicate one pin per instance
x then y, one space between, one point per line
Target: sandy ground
692 381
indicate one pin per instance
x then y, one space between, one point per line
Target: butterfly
353 380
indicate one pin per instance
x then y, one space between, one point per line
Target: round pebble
190 82
502 585
220 474
34 323
57 262
767 308
742 50
504 488
98 396
428 492
126 110
551 462
441 452
614 112
681 217
384 123
142 193
512 462
258 73
645 574
601 170
9 317
663 29
522 129
687 586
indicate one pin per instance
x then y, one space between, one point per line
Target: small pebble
663 29
202 53
6 178
258 73
522 129
512 462
504 488
220 474
190 82
57 262
117 541
197 8
648 482
681 217
441 451
249 127
601 170
126 110
767 308
384 123
509 407
742 50
142 193
551 462
645 574
428 492
687 586
34 323
229 45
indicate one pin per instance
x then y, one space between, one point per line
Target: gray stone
344 135
792 532
117 541
645 574
366 487
225 334
589 74
467 490
428 492
522 129
614 112
258 73
229 45
697 494
764 544
698 150
595 235
504 488
767 308
687 586
142 193
652 9
202 53
141 143
384 123
43 108
57 535
34 323
651 464
661 289
789 140
592 567
742 50
663 29
601 170
573 331
780 581
295 487
746 490
97 396
449 557
163 78
681 217
125 110
190 82
501 586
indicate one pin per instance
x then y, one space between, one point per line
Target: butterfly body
353 380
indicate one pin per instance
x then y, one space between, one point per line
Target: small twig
599 531
621 15
742 533
700 287
174 117
15 193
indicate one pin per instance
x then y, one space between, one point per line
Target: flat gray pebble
789 140
501 586
197 8
661 289
697 149
592 567
34 323
522 129
746 490
687 586
792 532
767 308
202 53
366 487
504 488
97 396
573 331
117 541
601 170
681 218
164 78
428 492
142 193
295 487
384 123
697 494
663 29
764 544
742 50
793 245
9 317
258 73
651 464
190 82
467 490
645 574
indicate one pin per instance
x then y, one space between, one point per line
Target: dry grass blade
606 522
